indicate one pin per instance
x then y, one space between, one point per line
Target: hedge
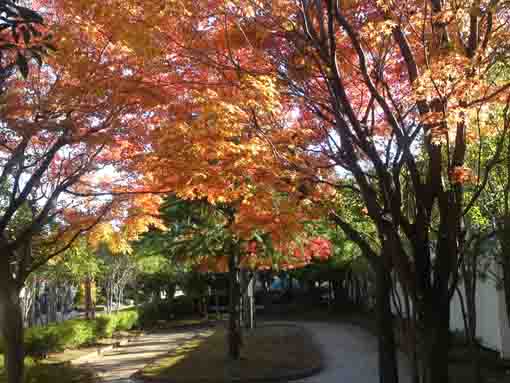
152 312
75 333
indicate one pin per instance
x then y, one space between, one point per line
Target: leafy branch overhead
23 37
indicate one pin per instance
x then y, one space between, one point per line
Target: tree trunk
436 344
470 272
504 239
388 365
52 304
234 333
249 307
89 303
12 325
410 314
217 301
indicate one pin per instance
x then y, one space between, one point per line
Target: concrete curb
269 379
283 377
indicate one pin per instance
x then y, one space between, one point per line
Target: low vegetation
77 332
153 313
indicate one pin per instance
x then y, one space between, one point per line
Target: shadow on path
118 365
350 354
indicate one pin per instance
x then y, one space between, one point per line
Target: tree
57 130
118 270
282 94
203 236
158 275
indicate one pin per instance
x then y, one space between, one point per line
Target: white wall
492 324
488 314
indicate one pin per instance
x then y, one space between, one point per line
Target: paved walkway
118 365
350 354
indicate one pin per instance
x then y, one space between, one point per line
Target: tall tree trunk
435 321
436 344
217 302
52 304
470 273
234 333
89 303
249 320
12 324
503 233
388 366
411 325
504 240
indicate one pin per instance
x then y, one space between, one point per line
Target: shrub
152 312
120 321
177 308
126 320
183 307
75 333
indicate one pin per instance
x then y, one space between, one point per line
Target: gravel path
118 365
350 354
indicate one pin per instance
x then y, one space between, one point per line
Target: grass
48 372
268 352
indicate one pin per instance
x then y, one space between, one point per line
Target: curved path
350 354
118 365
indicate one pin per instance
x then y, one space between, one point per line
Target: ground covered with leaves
269 352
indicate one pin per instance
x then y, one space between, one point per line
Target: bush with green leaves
121 321
76 333
153 312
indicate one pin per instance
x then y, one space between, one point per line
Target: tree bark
89 303
249 307
470 275
234 333
436 335
434 316
504 239
388 365
12 325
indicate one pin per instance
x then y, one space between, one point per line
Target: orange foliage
227 101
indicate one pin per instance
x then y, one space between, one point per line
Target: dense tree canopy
282 110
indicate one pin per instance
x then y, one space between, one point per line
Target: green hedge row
152 312
75 333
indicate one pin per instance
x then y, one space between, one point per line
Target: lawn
268 352
47 372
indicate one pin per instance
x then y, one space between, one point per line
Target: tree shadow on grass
270 353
